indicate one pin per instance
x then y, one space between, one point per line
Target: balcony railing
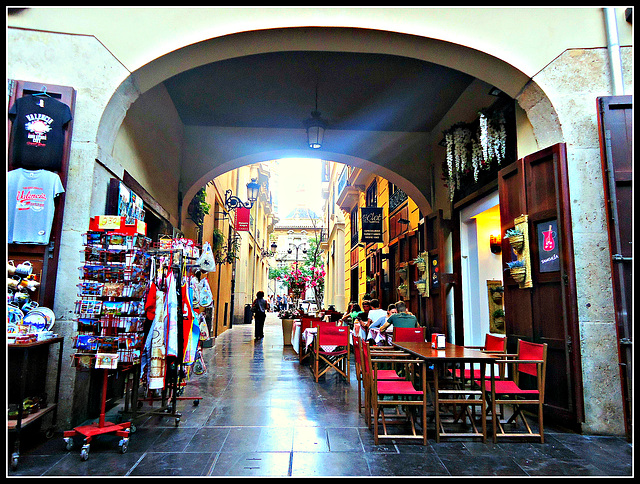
396 199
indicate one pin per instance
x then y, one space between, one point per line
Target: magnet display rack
110 311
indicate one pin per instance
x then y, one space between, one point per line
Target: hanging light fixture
315 126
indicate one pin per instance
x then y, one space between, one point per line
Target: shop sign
371 218
548 253
242 219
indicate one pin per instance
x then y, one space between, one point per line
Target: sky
294 175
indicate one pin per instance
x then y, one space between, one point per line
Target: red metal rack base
99 428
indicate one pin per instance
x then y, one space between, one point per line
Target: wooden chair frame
509 392
330 334
378 389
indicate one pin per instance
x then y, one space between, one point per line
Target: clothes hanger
43 93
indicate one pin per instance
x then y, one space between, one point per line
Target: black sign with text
371 218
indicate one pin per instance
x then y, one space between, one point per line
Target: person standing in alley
259 309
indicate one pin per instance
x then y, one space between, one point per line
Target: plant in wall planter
420 263
421 285
517 270
516 239
403 289
497 293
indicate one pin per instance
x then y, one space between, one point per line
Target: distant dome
301 213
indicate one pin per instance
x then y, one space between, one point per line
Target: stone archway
492 70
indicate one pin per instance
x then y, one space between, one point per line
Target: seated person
346 317
375 313
380 321
402 319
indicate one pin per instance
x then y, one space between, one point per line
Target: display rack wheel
124 443
196 403
132 429
14 460
50 433
177 421
68 443
84 453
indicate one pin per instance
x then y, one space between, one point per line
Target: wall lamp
495 243
272 252
231 202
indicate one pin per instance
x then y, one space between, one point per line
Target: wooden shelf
30 418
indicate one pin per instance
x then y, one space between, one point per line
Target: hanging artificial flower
450 176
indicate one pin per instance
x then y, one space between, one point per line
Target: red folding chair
492 344
530 362
331 348
408 335
305 323
396 393
386 374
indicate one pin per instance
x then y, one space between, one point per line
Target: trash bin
248 315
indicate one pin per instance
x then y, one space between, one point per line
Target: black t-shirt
38 132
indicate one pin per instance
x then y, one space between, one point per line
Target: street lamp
293 246
231 202
272 252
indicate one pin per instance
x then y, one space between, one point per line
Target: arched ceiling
356 91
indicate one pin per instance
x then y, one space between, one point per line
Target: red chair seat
401 387
388 375
507 387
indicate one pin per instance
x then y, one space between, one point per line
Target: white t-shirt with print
30 205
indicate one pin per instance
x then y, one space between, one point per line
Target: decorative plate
14 315
40 319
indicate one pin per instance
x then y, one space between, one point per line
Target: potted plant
420 263
518 270
421 285
403 289
516 239
498 318
497 292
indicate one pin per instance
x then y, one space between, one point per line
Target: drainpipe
613 48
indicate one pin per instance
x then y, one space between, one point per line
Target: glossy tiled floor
262 414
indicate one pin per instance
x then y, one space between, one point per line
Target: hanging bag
206 298
206 262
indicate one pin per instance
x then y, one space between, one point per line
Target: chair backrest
330 334
365 358
496 344
531 351
305 323
316 323
408 335
356 350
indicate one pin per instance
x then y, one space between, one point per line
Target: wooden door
547 312
436 230
615 116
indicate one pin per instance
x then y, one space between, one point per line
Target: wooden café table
454 355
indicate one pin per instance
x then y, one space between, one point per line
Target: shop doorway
481 269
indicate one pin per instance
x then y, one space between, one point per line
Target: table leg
436 398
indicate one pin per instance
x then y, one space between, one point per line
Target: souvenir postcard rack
110 317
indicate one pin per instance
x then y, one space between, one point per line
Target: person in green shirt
402 319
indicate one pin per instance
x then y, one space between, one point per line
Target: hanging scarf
187 320
171 316
155 347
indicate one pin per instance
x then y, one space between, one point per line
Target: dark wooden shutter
615 116
547 312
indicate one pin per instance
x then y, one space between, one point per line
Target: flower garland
479 149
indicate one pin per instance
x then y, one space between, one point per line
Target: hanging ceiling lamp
315 126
